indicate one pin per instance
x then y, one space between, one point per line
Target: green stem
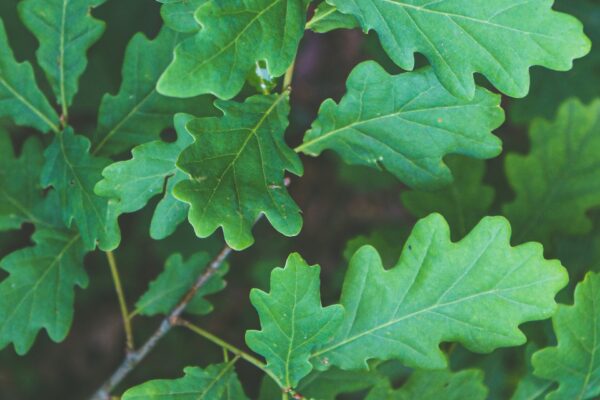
238 352
289 75
121 296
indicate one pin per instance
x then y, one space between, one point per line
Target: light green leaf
179 14
463 203
559 180
500 39
237 166
217 382
138 114
39 292
132 183
476 292
20 190
73 173
234 36
549 88
293 320
65 30
435 385
405 124
177 278
20 96
575 362
328 18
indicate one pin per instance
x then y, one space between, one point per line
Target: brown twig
132 359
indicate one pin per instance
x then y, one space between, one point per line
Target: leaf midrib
425 310
423 9
31 291
234 39
27 104
252 133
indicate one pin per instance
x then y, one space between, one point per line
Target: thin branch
132 359
122 302
241 354
223 344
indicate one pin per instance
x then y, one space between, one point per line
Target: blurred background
344 207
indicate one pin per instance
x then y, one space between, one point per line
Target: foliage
410 135
500 39
574 362
197 126
557 183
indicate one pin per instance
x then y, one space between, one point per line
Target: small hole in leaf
168 135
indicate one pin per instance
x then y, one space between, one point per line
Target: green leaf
20 190
559 180
463 203
179 14
500 39
435 385
549 88
39 292
65 30
73 173
328 18
237 166
177 278
476 292
574 363
405 124
132 183
20 96
234 36
217 382
138 114
292 319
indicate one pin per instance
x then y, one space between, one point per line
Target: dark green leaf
73 173
559 180
20 96
236 167
20 190
39 292
177 278
138 114
234 35
65 30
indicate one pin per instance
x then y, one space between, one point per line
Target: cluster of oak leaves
226 171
